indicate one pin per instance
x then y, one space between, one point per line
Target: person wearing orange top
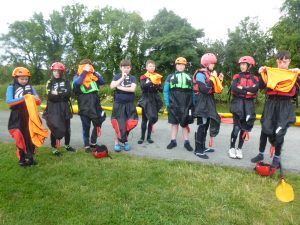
150 100
18 124
278 113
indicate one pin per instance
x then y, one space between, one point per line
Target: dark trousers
144 126
86 126
67 134
275 140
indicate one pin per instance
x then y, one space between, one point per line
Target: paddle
284 191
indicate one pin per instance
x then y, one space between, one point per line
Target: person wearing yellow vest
124 116
86 87
150 101
278 113
244 88
204 86
18 124
178 97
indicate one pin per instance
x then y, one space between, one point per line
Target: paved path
161 136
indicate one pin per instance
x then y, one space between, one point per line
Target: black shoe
23 163
172 145
201 155
70 148
258 158
150 141
57 153
140 141
88 150
32 162
209 150
188 146
276 162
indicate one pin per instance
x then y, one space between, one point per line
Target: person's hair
125 62
283 55
85 61
149 61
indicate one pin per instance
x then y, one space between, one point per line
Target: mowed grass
78 189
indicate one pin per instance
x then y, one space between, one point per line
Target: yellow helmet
180 60
21 72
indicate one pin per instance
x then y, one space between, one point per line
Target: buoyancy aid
217 84
280 81
245 80
37 132
154 77
195 84
90 75
180 80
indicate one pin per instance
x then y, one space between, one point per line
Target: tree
286 33
168 37
25 45
246 39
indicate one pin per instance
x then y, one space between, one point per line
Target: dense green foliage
108 35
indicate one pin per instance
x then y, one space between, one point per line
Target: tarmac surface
161 136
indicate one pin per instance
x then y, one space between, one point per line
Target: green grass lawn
78 189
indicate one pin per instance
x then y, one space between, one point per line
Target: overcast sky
215 17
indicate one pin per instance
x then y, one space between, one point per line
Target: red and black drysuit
18 120
278 114
242 105
124 115
205 109
58 110
151 103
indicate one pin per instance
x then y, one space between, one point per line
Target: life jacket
217 84
280 81
245 80
92 88
155 78
180 80
37 132
90 75
195 84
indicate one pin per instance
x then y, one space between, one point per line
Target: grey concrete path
161 137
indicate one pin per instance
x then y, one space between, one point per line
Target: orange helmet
21 72
247 59
181 60
58 66
208 58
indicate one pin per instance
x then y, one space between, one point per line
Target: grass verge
78 189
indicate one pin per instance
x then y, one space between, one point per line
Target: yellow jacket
37 133
279 79
154 77
217 84
90 75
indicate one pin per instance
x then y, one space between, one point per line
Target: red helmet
207 59
247 59
264 169
21 71
100 151
58 66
